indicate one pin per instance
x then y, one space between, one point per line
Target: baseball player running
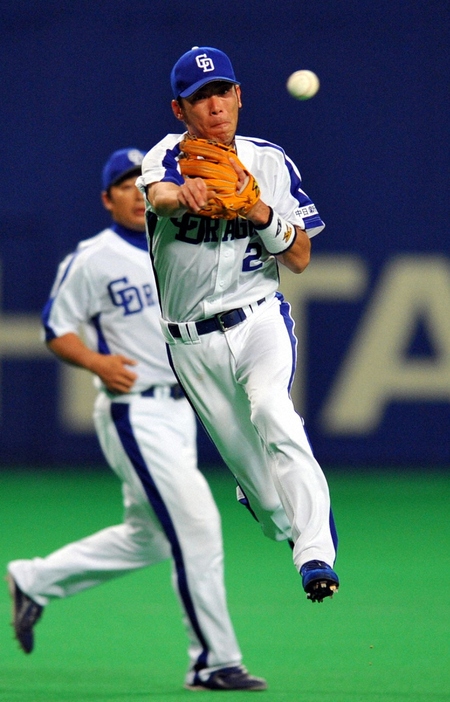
147 432
222 212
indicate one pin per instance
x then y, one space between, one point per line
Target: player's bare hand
170 200
194 194
114 372
111 369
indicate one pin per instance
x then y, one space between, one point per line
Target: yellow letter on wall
377 369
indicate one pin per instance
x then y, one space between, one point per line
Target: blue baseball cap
200 65
122 164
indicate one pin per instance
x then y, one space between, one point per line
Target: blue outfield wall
373 309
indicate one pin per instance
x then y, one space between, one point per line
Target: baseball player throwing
222 212
147 431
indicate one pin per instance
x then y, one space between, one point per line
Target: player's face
212 112
126 204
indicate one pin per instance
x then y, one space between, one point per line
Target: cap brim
193 88
136 170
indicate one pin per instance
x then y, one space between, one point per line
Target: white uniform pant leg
244 403
159 438
265 362
169 511
207 373
111 552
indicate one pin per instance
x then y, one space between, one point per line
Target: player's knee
266 411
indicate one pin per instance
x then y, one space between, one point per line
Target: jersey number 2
252 260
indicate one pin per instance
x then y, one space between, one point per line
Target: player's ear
177 110
239 94
106 200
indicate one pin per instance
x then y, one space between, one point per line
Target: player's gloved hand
220 168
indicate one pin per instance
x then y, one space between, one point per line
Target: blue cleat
319 580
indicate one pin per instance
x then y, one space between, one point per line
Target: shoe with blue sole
319 580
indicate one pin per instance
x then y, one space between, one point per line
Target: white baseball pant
238 382
169 512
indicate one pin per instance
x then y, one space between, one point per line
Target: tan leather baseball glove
210 160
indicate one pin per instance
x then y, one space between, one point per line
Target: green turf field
385 637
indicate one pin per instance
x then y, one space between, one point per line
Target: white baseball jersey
221 264
106 287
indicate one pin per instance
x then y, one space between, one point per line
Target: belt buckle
220 321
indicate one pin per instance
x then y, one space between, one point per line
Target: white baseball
303 85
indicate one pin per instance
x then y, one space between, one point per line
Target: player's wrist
277 234
260 214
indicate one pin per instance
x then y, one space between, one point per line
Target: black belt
176 391
220 322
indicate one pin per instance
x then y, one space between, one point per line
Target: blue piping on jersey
171 166
46 312
102 345
311 221
131 236
120 412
